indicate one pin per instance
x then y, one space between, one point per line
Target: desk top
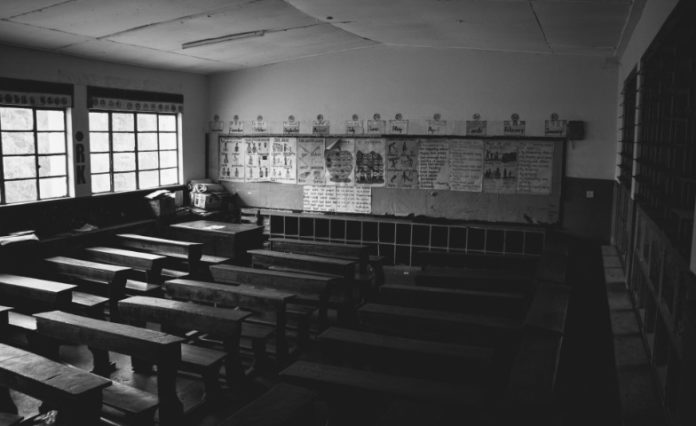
212 226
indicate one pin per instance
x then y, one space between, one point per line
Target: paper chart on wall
500 167
257 163
369 162
433 167
284 160
466 165
339 161
535 166
348 199
310 161
232 159
402 163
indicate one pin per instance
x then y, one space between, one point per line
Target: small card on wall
320 126
354 127
292 126
514 127
476 127
376 126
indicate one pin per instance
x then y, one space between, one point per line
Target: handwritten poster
402 163
535 167
339 161
310 161
466 165
433 170
284 160
232 152
369 162
500 167
257 160
346 199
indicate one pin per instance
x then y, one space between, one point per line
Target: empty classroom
347 212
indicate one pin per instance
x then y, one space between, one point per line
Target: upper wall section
35 65
419 82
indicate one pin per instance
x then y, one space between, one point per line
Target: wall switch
589 194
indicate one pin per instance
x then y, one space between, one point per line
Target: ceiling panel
585 25
260 15
9 8
282 46
38 38
98 18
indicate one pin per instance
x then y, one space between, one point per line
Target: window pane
147 122
122 122
124 142
19 167
16 118
167 123
17 143
124 181
149 179
52 165
99 142
169 176
20 190
98 121
147 160
51 143
147 141
124 162
99 163
168 158
101 183
167 140
50 120
53 187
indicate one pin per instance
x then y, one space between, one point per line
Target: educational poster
232 159
535 167
466 165
339 161
284 160
257 162
402 163
347 199
369 162
433 170
310 161
500 167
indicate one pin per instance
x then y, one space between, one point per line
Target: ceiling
151 32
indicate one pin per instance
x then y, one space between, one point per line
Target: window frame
136 150
36 154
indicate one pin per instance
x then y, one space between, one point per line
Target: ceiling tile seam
541 28
183 18
481 49
53 30
42 9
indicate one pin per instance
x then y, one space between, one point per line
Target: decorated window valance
134 101
29 93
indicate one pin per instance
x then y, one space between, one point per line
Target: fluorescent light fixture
222 39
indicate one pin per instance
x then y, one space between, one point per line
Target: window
133 150
33 148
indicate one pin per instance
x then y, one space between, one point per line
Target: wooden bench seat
135 405
268 258
510 304
145 266
178 250
472 279
143 288
282 405
143 345
359 253
439 325
549 308
524 264
222 322
76 393
90 304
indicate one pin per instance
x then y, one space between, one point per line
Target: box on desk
211 200
162 203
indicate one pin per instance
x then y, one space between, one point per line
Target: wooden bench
509 304
553 266
225 323
407 356
309 289
143 345
282 405
33 294
356 252
268 258
439 325
549 308
473 279
524 264
98 278
190 252
76 393
4 317
268 306
147 267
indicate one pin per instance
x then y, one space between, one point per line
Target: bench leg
210 381
261 362
102 365
233 363
171 410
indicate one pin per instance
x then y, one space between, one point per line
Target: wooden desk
34 292
220 238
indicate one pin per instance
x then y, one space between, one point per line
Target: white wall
35 65
419 82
